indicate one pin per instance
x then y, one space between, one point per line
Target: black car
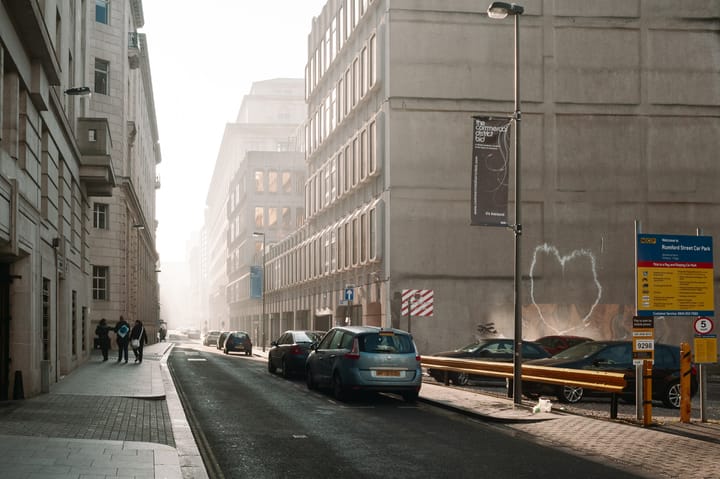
289 352
614 356
238 342
497 349
221 339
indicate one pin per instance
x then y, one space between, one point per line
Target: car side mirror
314 346
273 343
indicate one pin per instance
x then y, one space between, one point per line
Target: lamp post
500 10
262 318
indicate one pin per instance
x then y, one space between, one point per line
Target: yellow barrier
685 371
597 380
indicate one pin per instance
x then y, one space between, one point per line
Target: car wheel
310 380
570 394
671 398
338 388
285 371
461 379
410 396
271 367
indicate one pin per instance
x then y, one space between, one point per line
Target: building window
363 71
363 155
286 182
363 238
259 216
102 73
102 11
372 163
46 319
356 81
348 244
100 282
73 321
286 217
348 167
272 217
372 62
372 234
259 181
355 241
100 216
273 181
355 162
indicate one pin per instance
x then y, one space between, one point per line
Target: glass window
355 241
362 163
363 237
341 27
100 216
102 72
386 343
100 282
273 181
348 244
348 167
347 94
259 216
259 181
341 173
363 71
372 233
286 217
287 182
355 161
356 81
372 65
372 165
272 216
333 250
102 11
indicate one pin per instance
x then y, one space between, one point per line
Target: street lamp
262 318
500 10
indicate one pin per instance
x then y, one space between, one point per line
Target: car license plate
387 373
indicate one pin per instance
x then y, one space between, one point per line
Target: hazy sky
204 57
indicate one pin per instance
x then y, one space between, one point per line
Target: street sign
349 293
703 325
643 339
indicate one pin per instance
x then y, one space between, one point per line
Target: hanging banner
490 158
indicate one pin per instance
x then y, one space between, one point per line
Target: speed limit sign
703 325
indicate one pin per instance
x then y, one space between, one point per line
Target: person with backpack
102 332
122 331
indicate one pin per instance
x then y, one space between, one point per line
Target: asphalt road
250 423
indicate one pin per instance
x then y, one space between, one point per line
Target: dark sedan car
556 343
289 352
238 342
497 349
614 356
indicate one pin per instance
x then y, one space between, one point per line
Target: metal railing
605 381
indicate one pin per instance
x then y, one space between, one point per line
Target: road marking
197 359
299 436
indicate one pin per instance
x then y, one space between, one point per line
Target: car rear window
386 343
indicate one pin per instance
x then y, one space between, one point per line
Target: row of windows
341 27
359 78
350 243
269 217
270 182
354 163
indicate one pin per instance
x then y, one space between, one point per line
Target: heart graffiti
551 250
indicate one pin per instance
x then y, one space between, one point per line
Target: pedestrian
102 332
122 330
138 339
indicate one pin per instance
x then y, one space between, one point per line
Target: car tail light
296 350
355 351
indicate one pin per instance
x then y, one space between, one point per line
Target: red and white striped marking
417 302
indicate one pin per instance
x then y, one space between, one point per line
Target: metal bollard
685 405
647 393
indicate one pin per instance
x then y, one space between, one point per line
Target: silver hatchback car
365 358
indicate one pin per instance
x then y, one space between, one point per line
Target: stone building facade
56 158
621 122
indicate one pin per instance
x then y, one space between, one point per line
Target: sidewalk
125 420
105 419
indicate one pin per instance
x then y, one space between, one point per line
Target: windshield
581 351
308 337
386 343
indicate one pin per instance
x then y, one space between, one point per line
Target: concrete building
262 143
61 154
122 112
621 122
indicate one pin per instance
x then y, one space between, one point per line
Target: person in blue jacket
122 333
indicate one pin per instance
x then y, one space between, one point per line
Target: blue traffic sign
349 294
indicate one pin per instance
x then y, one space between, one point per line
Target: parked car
221 339
211 338
291 350
614 356
555 344
238 342
365 358
496 349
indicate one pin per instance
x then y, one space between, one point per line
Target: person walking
102 332
138 339
122 330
